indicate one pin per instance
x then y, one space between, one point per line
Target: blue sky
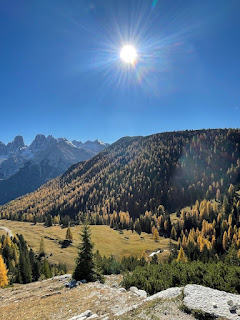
60 71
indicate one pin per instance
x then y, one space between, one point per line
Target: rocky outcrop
213 302
94 300
138 292
85 315
166 294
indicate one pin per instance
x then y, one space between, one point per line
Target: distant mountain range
24 168
138 174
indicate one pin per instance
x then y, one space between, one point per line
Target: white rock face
214 302
166 294
85 315
138 292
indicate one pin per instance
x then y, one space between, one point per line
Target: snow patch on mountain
58 153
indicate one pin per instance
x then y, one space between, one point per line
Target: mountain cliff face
140 173
24 168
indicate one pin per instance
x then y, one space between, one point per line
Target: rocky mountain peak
78 144
15 145
41 142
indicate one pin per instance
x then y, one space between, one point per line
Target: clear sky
61 73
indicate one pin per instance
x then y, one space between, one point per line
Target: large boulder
213 302
138 292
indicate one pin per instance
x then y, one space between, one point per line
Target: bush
157 277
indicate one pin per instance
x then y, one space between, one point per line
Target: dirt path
7 230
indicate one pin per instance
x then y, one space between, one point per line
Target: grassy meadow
106 240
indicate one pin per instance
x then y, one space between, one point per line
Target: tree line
20 264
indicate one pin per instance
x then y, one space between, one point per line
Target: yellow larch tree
225 241
155 235
3 273
181 256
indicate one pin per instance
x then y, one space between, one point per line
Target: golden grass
106 240
24 302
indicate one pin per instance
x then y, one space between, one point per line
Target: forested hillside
139 174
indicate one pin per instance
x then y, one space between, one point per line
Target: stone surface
166 294
138 292
204 299
85 315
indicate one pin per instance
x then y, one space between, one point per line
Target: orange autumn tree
3 273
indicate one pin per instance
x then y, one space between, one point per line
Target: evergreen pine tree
46 269
48 220
85 266
42 248
25 266
35 266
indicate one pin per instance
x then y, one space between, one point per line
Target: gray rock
204 299
83 281
51 294
233 308
166 294
85 315
138 292
71 284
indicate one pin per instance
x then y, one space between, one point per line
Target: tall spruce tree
85 266
25 266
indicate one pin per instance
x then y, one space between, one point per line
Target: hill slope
140 173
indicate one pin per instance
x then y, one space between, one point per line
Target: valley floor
106 240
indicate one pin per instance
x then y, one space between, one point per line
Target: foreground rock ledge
211 301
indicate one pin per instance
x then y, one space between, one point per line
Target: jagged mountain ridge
44 159
137 174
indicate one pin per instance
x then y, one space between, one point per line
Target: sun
128 54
